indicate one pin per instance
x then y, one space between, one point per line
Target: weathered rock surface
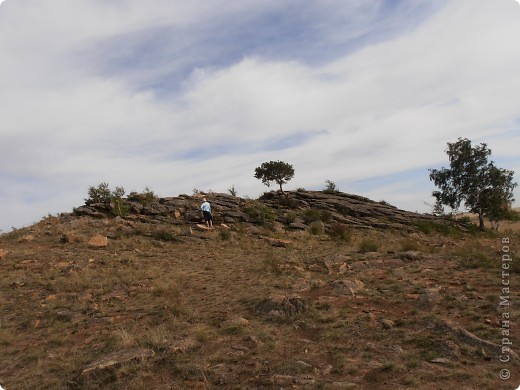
338 208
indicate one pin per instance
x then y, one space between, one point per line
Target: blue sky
175 95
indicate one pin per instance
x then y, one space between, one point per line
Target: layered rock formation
297 211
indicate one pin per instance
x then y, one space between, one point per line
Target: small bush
225 235
290 217
340 232
409 244
316 228
315 214
260 212
163 235
368 245
330 187
429 227
232 191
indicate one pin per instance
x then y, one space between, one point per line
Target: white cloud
76 110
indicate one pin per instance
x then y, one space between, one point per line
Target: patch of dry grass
65 305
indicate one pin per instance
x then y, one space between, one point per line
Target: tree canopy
275 171
474 182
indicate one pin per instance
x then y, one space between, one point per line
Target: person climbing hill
206 212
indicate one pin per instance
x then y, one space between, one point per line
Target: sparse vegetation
187 302
339 231
330 187
368 245
260 212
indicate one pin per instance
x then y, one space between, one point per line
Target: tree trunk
481 222
281 189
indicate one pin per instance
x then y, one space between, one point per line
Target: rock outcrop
299 211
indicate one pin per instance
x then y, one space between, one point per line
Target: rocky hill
296 211
313 291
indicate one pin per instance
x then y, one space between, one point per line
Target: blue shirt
205 207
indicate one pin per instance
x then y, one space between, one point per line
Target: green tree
275 171
473 181
99 194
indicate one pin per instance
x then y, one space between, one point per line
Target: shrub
232 190
99 194
429 227
368 245
260 212
290 217
163 235
225 235
339 231
315 214
330 187
316 228
409 245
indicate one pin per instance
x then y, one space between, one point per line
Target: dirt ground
163 308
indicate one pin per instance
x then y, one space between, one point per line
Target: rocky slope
297 211
271 298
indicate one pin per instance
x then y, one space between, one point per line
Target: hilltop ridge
296 211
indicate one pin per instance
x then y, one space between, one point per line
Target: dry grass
66 305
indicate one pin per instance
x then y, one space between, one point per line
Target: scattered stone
3 253
449 348
468 337
98 241
116 359
396 348
298 226
253 341
236 322
440 361
253 230
282 306
27 238
344 385
347 287
65 315
304 380
184 345
71 238
278 242
326 370
343 268
303 366
301 285
386 323
411 255
282 380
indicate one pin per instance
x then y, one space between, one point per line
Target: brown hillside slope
315 292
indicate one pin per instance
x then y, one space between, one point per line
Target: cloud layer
176 95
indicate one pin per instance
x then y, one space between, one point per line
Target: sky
177 95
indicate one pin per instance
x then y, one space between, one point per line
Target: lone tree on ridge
474 181
275 171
